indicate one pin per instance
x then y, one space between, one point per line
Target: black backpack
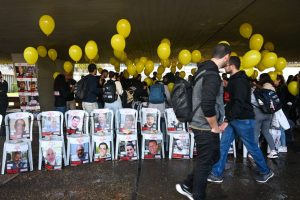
268 100
109 92
80 88
182 97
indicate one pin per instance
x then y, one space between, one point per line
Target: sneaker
214 179
265 177
282 149
273 154
184 190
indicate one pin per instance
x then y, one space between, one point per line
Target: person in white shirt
116 105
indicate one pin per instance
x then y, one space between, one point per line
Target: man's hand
216 130
223 126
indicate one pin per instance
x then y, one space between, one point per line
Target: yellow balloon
147 72
269 59
264 52
91 49
273 76
112 61
165 63
117 69
179 66
166 40
173 69
182 74
246 30
255 74
68 67
278 72
123 27
75 53
136 61
224 42
96 59
143 60
128 62
131 69
196 56
280 64
251 59
126 74
149 66
249 71
55 74
269 46
42 51
261 67
149 81
184 57
31 55
256 41
100 69
233 53
293 88
159 76
118 42
171 87
139 67
163 51
193 71
52 54
160 70
47 24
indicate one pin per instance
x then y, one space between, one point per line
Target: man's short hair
92 67
153 141
75 117
103 143
234 60
111 74
150 115
221 50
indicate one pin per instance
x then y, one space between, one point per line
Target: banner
27 86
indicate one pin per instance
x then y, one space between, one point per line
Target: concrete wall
45 79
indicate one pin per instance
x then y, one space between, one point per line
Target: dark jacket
239 105
207 96
61 98
93 89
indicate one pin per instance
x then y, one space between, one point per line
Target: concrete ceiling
190 24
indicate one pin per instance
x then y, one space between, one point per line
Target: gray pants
262 125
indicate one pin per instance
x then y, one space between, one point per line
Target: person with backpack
158 96
92 91
263 120
239 120
208 113
111 93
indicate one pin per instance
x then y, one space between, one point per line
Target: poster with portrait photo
19 128
172 122
23 70
52 154
149 121
22 85
50 125
79 153
128 150
181 146
102 122
24 101
75 123
127 123
17 160
152 149
102 150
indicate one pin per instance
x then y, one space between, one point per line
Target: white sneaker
282 149
273 154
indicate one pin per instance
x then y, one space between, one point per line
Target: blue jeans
244 129
282 138
62 109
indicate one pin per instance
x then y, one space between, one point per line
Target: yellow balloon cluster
47 24
30 55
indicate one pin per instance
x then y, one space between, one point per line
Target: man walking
240 116
208 109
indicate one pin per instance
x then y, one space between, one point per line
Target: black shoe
265 177
184 190
214 179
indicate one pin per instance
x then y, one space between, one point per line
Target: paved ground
152 179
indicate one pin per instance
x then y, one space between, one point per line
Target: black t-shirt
71 83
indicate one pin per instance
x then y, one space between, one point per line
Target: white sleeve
284 123
119 88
